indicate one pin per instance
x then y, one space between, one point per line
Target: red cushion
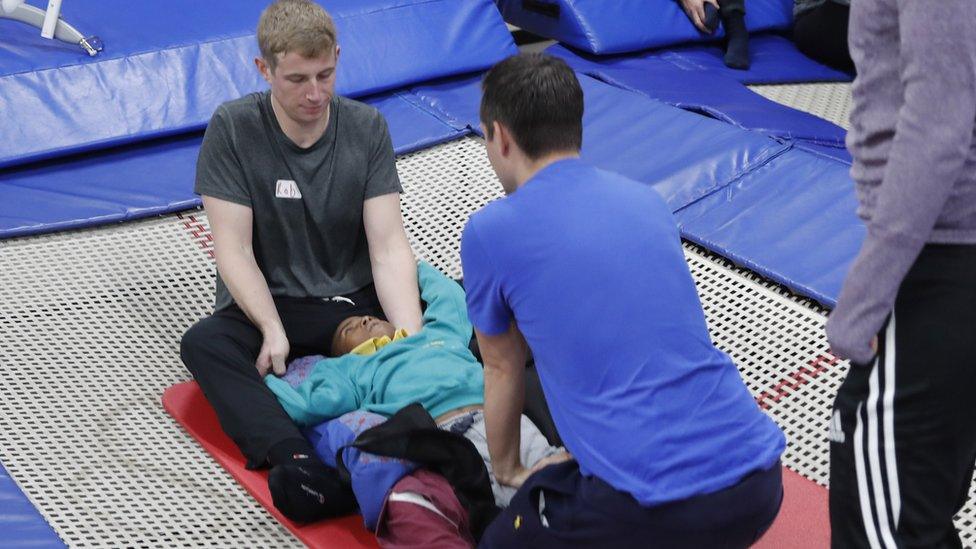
186 403
803 521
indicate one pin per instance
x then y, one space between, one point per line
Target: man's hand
521 473
273 353
695 10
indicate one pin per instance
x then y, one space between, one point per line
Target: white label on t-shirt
286 188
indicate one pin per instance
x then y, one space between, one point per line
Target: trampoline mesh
89 329
830 101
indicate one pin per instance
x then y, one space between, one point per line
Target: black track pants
903 430
220 352
821 34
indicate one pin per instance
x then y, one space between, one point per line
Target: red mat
186 403
802 522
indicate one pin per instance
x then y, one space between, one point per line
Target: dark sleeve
219 170
381 174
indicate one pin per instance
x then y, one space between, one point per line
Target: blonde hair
300 26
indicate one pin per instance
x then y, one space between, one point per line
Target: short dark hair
538 98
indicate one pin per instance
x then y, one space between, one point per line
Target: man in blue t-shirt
585 267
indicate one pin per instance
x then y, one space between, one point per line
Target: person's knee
197 341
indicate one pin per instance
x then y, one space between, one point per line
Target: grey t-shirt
308 234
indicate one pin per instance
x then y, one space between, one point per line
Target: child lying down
380 369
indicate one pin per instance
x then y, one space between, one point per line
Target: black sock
303 488
737 48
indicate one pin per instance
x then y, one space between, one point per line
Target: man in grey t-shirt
302 195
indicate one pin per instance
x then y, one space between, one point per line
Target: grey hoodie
913 139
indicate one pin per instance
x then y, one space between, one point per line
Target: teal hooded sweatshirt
433 367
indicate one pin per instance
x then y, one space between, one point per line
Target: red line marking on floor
805 374
199 233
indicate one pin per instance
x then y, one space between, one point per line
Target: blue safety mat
617 26
156 177
775 60
840 154
711 94
684 155
784 212
20 523
793 220
167 65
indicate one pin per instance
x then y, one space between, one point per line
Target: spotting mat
187 405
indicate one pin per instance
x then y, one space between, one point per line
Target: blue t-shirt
589 264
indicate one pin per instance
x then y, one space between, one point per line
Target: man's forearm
504 357
395 277
504 399
248 287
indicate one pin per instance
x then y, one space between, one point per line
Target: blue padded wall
617 26
156 176
169 76
115 137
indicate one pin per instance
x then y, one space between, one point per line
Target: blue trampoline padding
619 26
457 101
684 155
775 60
838 153
793 221
167 65
155 177
711 94
413 126
780 211
21 524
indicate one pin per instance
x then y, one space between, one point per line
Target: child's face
354 330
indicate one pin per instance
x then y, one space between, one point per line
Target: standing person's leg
902 457
821 34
